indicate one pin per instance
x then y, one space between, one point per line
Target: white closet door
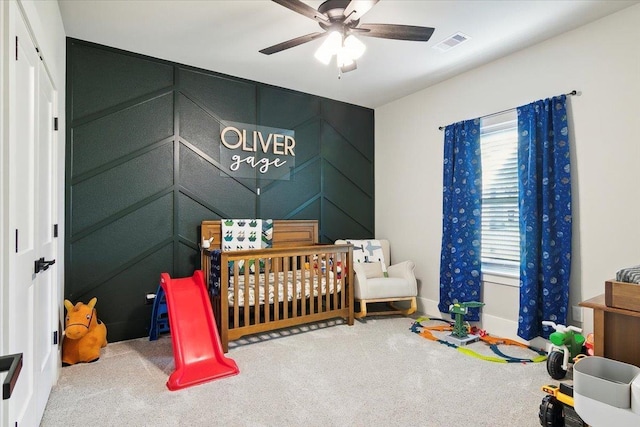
30 306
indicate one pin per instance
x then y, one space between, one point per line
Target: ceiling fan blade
303 9
292 43
397 32
357 8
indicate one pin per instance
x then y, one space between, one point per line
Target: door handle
42 265
13 364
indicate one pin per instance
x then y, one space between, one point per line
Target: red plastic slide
196 344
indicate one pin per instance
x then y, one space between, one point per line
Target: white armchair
372 286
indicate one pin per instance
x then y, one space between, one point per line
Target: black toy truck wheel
554 365
551 412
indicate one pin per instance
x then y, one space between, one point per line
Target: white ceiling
226 35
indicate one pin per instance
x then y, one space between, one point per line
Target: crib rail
277 288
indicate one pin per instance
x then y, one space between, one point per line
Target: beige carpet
375 373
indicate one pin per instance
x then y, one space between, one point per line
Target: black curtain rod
572 93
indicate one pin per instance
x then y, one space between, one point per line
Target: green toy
566 344
460 309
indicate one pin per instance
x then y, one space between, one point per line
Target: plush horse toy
84 334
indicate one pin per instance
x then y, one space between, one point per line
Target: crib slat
236 294
247 287
224 306
285 288
312 280
256 296
327 292
276 294
319 281
343 278
303 280
267 306
294 288
334 280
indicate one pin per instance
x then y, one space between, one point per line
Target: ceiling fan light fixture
329 47
354 47
344 59
338 20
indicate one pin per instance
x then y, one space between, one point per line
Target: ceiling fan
340 20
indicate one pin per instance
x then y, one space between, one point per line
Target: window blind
500 226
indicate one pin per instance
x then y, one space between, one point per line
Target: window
500 226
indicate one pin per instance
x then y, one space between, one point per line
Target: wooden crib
298 281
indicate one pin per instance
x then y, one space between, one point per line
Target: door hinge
55 337
55 123
16 240
55 230
16 48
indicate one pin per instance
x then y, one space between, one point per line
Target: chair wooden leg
414 306
406 311
363 310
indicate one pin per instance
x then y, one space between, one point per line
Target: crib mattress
296 286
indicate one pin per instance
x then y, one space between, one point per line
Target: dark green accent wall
142 172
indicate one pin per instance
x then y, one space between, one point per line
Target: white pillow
372 270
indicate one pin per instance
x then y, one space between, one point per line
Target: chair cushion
387 287
372 270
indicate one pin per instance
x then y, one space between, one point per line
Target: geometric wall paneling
199 128
348 197
132 182
312 209
351 122
188 260
286 109
230 99
106 77
338 225
343 155
113 247
110 137
191 214
307 141
120 301
144 170
281 199
230 197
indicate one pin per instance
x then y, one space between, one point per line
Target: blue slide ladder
159 315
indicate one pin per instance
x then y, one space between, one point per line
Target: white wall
602 61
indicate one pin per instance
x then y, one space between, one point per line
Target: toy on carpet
84 334
566 345
557 408
588 345
460 334
494 342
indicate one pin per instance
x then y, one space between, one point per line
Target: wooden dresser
616 331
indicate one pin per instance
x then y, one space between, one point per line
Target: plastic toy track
550 412
554 365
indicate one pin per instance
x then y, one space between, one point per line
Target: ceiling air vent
451 42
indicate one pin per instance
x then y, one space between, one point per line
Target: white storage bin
605 380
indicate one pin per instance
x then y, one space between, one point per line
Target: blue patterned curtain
462 178
545 215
